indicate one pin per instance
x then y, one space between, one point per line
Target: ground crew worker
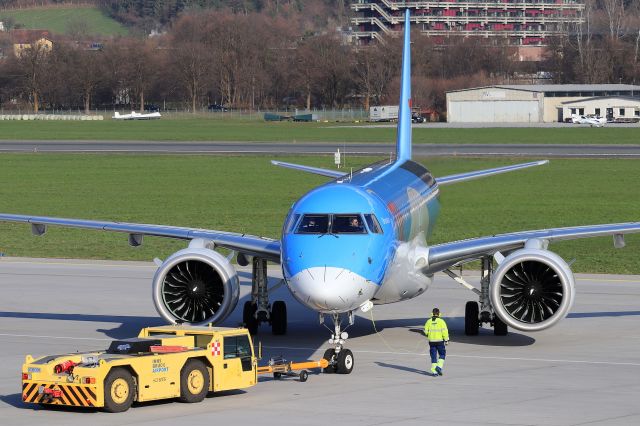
436 331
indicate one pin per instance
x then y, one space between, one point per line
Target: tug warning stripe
57 394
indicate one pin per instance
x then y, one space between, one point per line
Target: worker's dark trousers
437 349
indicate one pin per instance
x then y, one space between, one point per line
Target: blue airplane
358 241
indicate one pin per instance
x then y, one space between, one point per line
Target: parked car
218 108
417 118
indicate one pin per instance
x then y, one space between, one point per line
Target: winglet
403 143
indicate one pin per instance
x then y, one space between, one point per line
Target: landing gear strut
340 359
259 310
476 314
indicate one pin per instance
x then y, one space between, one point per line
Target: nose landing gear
340 359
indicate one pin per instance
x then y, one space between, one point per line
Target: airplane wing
309 169
442 256
462 177
248 244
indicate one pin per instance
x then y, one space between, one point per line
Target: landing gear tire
304 375
499 327
345 362
119 391
194 381
471 319
249 317
279 318
329 355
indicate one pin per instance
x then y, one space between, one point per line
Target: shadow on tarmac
15 400
403 368
129 325
485 337
303 332
603 314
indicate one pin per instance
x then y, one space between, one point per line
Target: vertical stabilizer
403 143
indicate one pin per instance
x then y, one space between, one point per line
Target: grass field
58 19
256 130
247 194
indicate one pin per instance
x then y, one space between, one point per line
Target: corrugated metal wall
493 112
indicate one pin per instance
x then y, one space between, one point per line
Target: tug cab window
348 224
238 347
313 224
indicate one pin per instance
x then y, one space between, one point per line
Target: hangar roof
569 89
600 98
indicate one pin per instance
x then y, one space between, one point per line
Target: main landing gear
478 313
340 359
258 309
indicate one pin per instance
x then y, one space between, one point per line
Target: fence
323 115
49 117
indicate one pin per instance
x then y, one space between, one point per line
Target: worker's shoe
438 371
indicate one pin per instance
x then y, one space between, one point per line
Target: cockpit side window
348 224
313 224
373 224
291 223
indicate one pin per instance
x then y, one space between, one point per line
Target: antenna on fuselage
403 141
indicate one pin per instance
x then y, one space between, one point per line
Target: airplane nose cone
330 289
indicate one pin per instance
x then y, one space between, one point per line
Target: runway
314 148
585 370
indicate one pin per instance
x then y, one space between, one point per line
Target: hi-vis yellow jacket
436 330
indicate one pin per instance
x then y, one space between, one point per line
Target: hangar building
541 103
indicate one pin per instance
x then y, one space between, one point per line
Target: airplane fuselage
334 266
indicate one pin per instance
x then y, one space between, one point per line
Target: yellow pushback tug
180 361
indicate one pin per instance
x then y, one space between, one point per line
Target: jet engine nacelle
532 289
196 286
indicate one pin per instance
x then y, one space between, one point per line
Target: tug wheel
118 391
194 381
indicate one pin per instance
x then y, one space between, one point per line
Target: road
312 148
584 370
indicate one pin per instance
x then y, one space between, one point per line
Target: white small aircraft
592 120
137 116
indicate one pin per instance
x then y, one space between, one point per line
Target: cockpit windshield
313 224
348 224
337 224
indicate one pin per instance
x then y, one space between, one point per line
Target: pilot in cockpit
355 224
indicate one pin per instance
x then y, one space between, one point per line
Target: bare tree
32 65
88 70
140 68
615 12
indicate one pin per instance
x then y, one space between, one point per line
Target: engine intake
532 289
196 286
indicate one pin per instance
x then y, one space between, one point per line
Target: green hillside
61 20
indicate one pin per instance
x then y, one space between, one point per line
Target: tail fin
403 143
117 114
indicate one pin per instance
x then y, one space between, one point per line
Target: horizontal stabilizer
462 177
315 170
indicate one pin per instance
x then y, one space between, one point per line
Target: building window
573 110
621 112
597 111
581 111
